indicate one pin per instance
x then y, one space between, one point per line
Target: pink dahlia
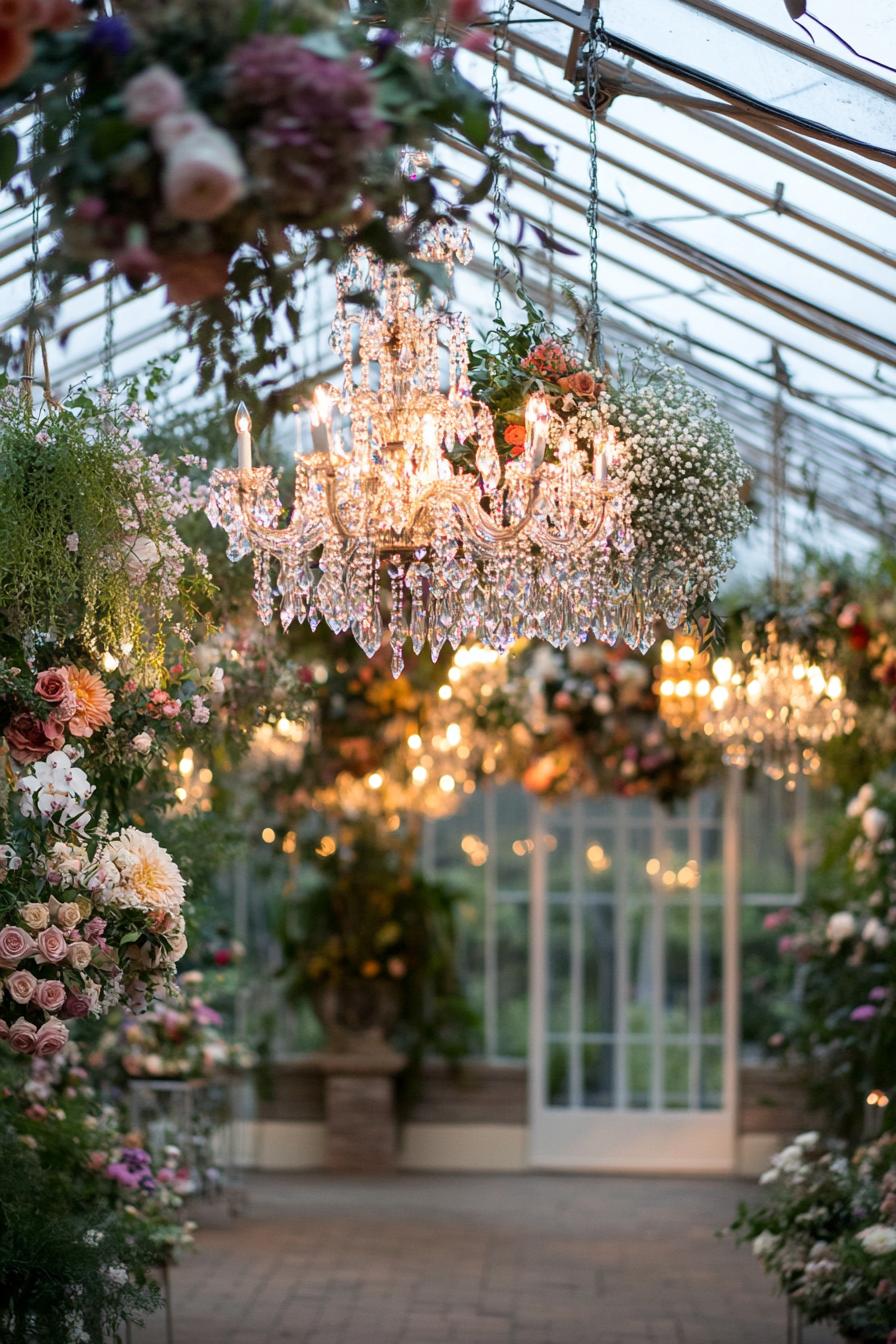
311 124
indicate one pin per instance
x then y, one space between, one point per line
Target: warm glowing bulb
453 734
653 866
269 835
375 781
667 651
447 783
415 741
419 774
242 419
444 692
185 764
723 670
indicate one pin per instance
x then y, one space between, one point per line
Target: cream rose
79 955
67 915
35 916
21 986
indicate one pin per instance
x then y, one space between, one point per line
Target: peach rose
23 1036
49 995
21 986
15 944
79 955
51 1038
52 945
582 384
67 915
35 916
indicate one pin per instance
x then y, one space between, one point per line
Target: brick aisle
531 1259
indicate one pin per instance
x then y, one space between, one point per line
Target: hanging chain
592 51
109 331
499 167
779 419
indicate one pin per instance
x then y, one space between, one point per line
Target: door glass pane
597 1074
676 1077
639 1076
598 968
711 1078
558 968
678 922
558 1073
512 937
640 987
711 972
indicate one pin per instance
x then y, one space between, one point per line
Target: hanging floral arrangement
216 148
668 457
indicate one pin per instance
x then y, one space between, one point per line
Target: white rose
807 1140
142 743
876 933
765 1245
875 822
768 1177
877 1239
840 926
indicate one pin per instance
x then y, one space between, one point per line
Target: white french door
634 983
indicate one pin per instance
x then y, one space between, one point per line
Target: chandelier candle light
414 525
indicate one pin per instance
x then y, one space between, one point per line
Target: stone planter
358 1016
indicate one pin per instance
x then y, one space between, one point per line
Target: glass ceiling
747 184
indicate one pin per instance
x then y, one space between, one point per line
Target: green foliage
88 546
74 1265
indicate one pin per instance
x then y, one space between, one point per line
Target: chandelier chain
592 50
499 158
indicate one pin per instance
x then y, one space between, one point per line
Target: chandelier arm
556 541
479 521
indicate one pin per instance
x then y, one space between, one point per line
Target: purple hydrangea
111 36
311 125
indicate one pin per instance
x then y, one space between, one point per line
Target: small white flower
877 1239
874 822
840 926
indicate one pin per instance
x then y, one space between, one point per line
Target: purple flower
110 37
878 993
863 1013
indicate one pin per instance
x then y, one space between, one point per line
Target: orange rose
515 436
582 384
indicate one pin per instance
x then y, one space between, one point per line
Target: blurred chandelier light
682 684
414 526
777 710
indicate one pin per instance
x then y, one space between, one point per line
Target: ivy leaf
550 243
537 153
9 156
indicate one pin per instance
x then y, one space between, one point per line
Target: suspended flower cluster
215 145
668 459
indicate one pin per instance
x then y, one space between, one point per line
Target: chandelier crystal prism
405 521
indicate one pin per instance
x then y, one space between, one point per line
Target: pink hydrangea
313 123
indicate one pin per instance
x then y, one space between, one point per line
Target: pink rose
79 955
203 177
30 739
194 279
52 685
154 93
49 995
23 1036
21 986
51 1038
14 945
176 126
4 1031
52 944
142 743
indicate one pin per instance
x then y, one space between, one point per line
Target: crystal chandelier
682 684
777 709
404 520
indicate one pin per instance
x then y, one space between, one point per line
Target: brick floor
421 1259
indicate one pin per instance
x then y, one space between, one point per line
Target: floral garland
826 1230
674 463
219 146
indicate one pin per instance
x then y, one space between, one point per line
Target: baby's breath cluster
681 473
